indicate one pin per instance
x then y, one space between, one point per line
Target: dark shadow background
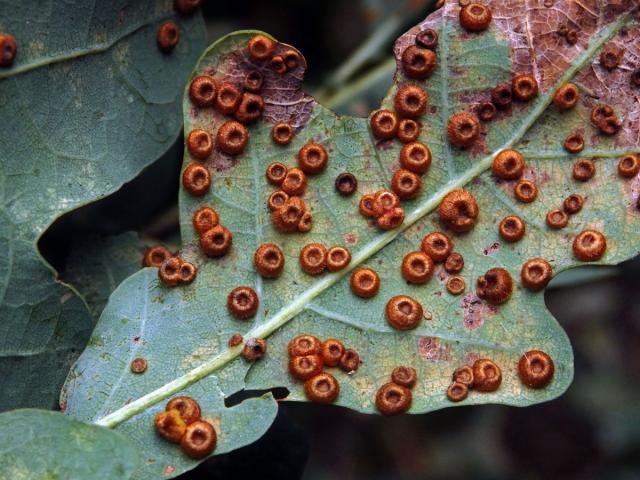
593 431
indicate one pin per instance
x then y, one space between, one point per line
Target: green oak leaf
98 264
88 103
37 444
183 331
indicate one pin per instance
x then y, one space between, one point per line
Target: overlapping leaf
97 265
36 444
183 332
88 103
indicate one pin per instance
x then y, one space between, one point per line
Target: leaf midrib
94 49
289 311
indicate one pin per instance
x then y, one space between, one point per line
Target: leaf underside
88 103
36 444
183 332
97 265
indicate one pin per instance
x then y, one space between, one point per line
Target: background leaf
98 264
460 329
386 19
91 101
36 444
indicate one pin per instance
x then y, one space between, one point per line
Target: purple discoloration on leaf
475 311
168 470
541 176
284 100
613 87
634 195
470 358
431 348
384 144
351 238
220 161
491 249
535 45
479 147
578 131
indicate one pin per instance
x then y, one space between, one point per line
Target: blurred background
593 431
